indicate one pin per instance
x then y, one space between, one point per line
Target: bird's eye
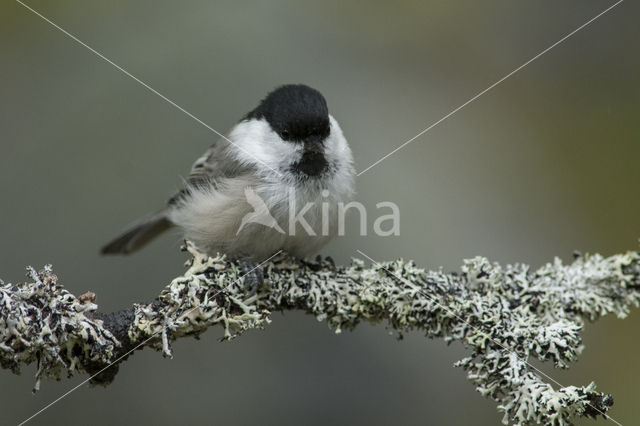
284 133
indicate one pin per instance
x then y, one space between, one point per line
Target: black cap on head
296 112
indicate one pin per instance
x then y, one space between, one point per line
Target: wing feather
215 164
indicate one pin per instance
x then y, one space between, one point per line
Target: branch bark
503 315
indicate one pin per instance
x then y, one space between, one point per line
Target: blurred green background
544 164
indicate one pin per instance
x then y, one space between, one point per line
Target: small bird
291 154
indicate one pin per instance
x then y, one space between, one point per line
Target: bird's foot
252 275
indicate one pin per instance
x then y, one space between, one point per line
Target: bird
274 183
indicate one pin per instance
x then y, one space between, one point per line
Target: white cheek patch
338 154
258 145
336 147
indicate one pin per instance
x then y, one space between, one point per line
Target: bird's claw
252 275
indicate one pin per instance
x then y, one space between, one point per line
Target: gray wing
215 164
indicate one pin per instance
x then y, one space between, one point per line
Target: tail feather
138 234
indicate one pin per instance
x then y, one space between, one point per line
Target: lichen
42 322
505 316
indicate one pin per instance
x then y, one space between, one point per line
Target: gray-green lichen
505 316
42 322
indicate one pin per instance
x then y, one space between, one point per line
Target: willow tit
288 151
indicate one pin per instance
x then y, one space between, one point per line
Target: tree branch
503 315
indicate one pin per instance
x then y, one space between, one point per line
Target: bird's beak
314 144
